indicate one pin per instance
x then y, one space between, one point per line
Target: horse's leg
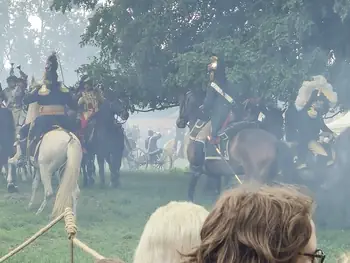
11 179
195 154
35 185
115 162
75 196
45 175
101 170
90 169
84 168
24 173
195 174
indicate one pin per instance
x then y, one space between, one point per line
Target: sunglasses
317 257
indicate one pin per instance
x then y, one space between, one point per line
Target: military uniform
217 103
310 123
8 93
52 97
90 100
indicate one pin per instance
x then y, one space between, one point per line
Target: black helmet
51 67
12 76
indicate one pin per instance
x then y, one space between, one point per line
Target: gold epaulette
64 89
44 91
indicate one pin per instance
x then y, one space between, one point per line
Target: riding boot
217 120
199 154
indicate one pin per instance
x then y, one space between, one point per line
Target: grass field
110 221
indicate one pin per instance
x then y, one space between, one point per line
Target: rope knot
70 226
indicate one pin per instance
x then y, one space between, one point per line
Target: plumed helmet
12 76
51 67
319 85
51 63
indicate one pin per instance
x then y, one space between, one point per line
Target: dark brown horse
252 151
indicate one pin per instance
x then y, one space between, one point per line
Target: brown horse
251 151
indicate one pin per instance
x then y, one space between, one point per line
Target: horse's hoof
12 188
115 184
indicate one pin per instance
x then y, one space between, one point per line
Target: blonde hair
256 224
319 83
171 230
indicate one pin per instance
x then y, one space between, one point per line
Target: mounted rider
13 95
10 89
90 99
314 100
52 96
217 103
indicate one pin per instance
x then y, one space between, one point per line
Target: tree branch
159 108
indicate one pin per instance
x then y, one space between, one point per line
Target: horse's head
272 120
112 107
189 108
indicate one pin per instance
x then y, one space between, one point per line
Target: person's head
172 230
254 224
150 132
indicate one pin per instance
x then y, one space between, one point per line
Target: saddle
217 152
34 145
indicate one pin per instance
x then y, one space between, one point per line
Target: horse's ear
32 81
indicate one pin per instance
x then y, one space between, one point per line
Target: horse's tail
70 177
285 160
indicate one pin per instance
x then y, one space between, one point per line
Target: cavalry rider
90 99
11 85
52 97
151 144
217 103
314 99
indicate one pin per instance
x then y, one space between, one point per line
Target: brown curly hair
256 224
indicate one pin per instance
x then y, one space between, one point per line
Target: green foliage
161 49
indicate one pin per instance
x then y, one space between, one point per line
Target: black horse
104 137
7 138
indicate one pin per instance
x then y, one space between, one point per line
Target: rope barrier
32 239
71 229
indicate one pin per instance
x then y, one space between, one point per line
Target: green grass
110 221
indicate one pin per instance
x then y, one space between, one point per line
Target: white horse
57 150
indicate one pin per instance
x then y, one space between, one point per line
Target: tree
155 50
28 44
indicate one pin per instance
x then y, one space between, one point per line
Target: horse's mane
320 83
